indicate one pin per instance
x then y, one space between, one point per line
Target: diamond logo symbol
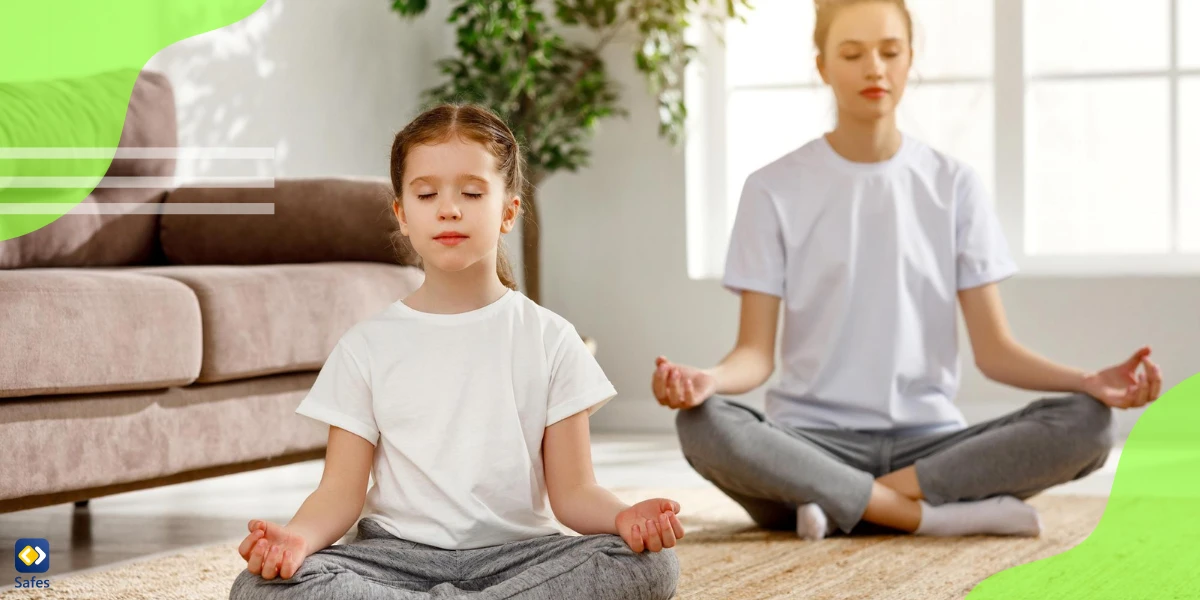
28 555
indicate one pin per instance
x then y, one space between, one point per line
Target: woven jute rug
722 557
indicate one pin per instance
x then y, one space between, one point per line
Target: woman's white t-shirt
456 405
868 259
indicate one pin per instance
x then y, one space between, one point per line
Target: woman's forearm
743 370
588 509
326 516
1012 364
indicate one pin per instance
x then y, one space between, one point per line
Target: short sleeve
341 395
755 261
577 382
981 252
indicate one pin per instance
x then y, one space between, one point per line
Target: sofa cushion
86 237
78 442
265 319
95 330
311 220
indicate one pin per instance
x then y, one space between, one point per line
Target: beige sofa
145 349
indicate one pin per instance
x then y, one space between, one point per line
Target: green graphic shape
1147 544
65 81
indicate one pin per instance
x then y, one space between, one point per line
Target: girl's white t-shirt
868 259
456 406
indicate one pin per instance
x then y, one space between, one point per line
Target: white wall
328 89
614 249
326 86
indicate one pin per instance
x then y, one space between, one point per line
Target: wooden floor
136 525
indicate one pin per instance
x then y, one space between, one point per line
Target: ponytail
504 269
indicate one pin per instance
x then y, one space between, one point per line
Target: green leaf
554 94
410 8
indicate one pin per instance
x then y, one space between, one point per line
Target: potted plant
513 58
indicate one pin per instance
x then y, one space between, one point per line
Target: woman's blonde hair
827 11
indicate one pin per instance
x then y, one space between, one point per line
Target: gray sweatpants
770 469
379 565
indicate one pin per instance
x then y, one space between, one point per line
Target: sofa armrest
313 220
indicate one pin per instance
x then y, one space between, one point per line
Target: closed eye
473 196
426 196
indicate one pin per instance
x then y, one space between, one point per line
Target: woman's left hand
650 525
1123 386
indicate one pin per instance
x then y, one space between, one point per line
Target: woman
871 240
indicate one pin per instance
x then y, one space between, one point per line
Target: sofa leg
81 526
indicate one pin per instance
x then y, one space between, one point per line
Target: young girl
870 240
469 405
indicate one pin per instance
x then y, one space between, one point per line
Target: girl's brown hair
473 123
827 11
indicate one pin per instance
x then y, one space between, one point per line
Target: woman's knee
689 422
1085 424
707 426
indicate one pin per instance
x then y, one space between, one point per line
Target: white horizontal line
139 208
134 182
156 152
1105 265
1102 75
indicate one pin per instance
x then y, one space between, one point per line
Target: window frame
708 208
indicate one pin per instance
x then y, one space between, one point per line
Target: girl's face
866 60
454 205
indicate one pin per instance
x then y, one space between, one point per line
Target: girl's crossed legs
379 565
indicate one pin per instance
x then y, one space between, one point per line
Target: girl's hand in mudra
650 525
271 549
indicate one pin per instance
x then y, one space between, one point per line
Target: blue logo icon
32 555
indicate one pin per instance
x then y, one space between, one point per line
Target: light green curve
1147 544
66 76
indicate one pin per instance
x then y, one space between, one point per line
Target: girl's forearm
325 517
743 370
588 509
1012 364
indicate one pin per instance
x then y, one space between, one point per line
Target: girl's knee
659 573
665 566
308 582
247 586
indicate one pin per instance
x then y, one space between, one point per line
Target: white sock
812 524
1001 515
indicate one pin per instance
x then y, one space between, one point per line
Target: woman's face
866 60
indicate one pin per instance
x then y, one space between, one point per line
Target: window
1082 131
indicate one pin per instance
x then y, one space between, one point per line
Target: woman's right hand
272 549
681 386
